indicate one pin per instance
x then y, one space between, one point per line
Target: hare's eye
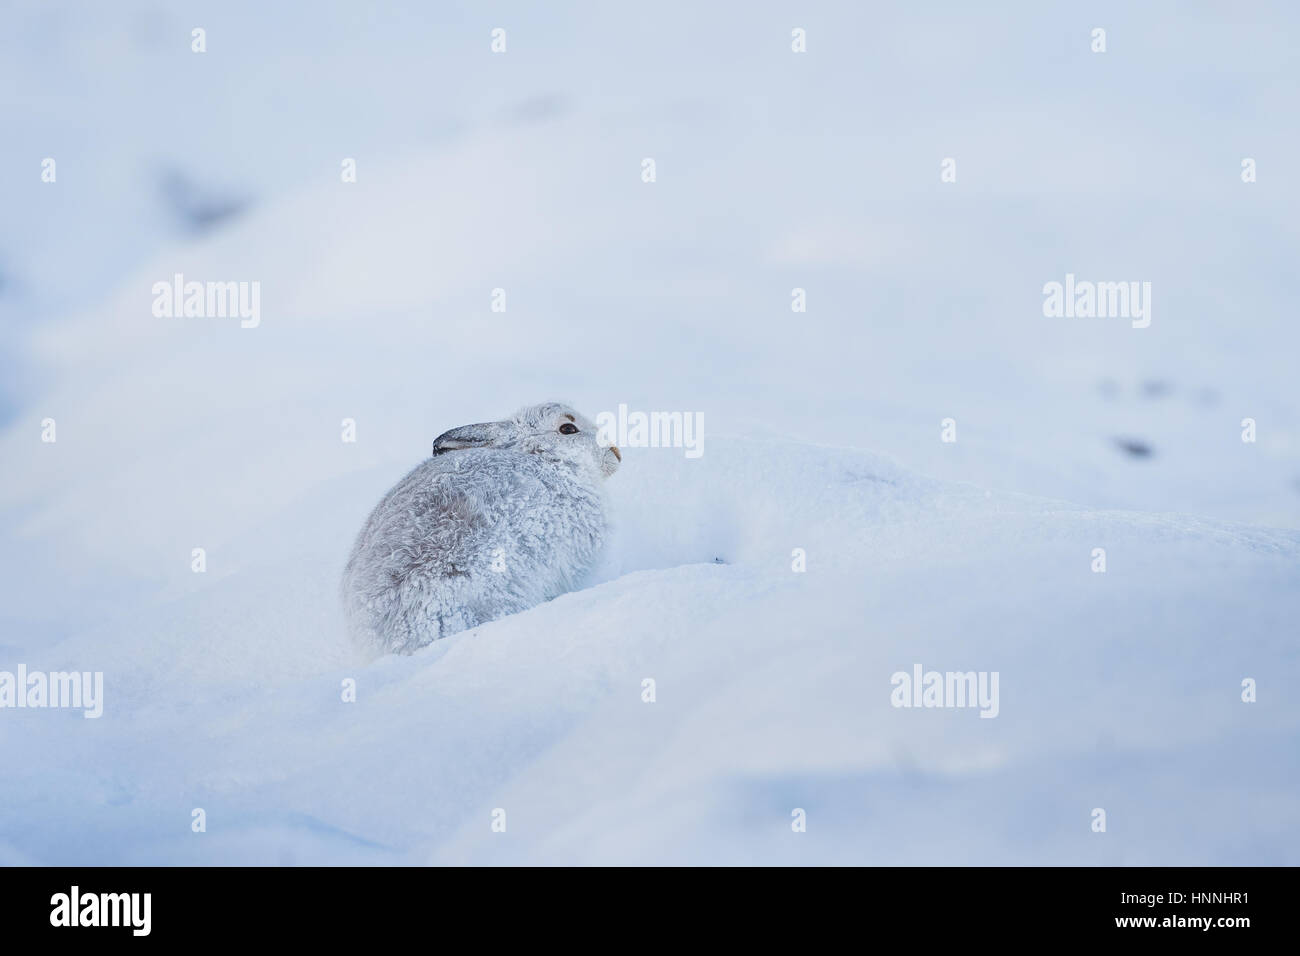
567 429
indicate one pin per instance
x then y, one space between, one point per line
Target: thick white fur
503 516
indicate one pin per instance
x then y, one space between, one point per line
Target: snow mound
772 691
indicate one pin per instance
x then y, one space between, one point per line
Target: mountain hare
503 516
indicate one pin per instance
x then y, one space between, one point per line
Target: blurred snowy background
775 170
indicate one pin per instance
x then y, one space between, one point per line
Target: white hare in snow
503 516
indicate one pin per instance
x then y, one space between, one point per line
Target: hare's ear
485 435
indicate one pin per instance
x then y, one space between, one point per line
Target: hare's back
448 500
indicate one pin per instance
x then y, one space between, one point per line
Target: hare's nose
617 454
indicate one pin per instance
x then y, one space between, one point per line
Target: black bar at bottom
336 905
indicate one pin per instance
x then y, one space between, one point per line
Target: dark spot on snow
538 109
1154 388
199 209
718 561
855 476
1134 447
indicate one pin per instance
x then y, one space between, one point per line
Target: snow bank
1118 690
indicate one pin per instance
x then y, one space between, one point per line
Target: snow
1119 690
